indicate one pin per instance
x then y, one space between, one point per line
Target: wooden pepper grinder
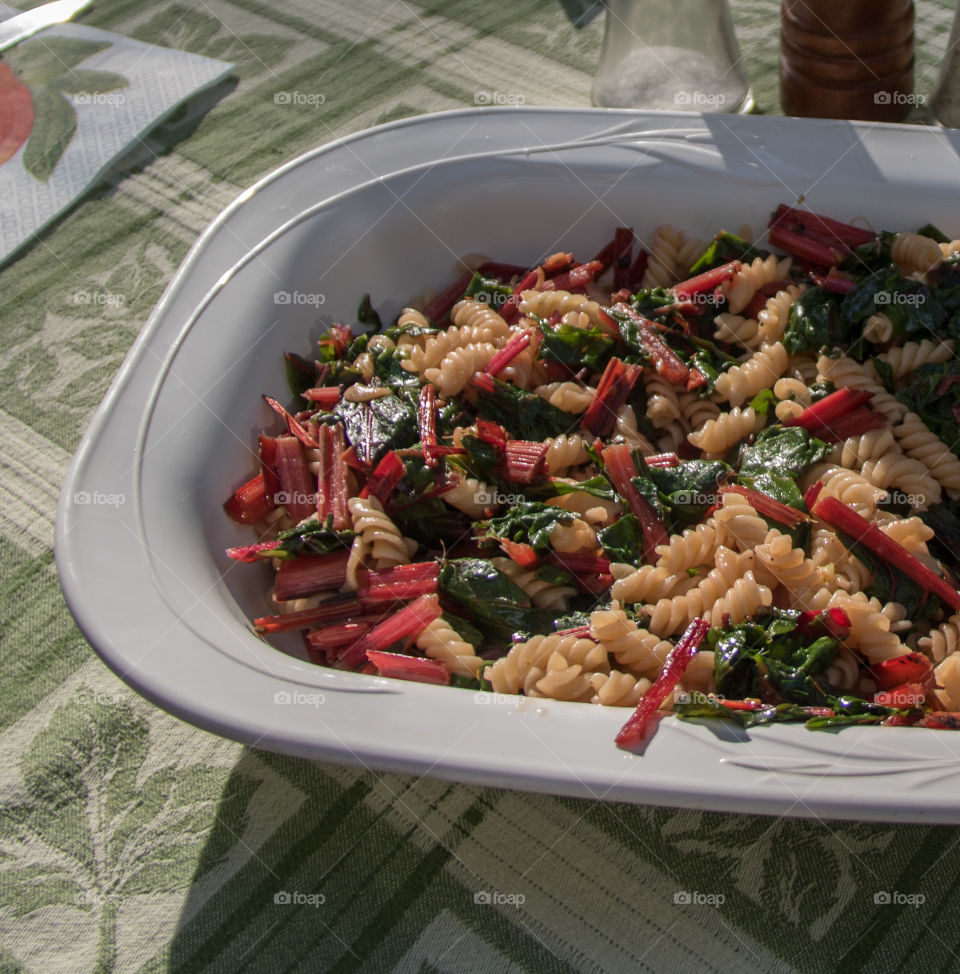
847 59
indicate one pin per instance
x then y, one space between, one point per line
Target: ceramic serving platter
140 530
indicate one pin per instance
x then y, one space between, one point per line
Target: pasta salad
715 477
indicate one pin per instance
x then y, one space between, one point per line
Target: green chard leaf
374 427
527 522
524 414
576 347
494 603
488 290
786 451
301 373
815 321
312 537
724 248
689 488
622 541
934 394
910 305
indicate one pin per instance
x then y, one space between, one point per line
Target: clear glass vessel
945 103
673 55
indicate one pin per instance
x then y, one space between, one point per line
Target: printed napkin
72 99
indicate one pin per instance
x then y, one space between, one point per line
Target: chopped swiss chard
490 599
725 247
613 391
301 373
309 574
366 314
862 532
575 347
249 503
298 487
635 729
488 290
379 425
622 541
525 414
311 537
527 522
815 321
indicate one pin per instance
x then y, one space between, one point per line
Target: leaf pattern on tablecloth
768 861
189 29
55 368
95 831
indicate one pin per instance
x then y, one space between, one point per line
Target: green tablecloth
130 841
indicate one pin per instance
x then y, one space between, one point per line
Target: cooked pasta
878 328
543 594
905 358
678 456
736 329
716 436
913 253
547 303
618 689
663 264
440 641
526 663
571 397
377 538
565 451
943 641
751 277
573 538
772 320
456 367
760 371
917 441
696 546
846 372
636 649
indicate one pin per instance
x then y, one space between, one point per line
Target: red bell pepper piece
525 461
332 611
385 477
802 221
706 281
250 553
326 397
402 583
510 351
522 554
